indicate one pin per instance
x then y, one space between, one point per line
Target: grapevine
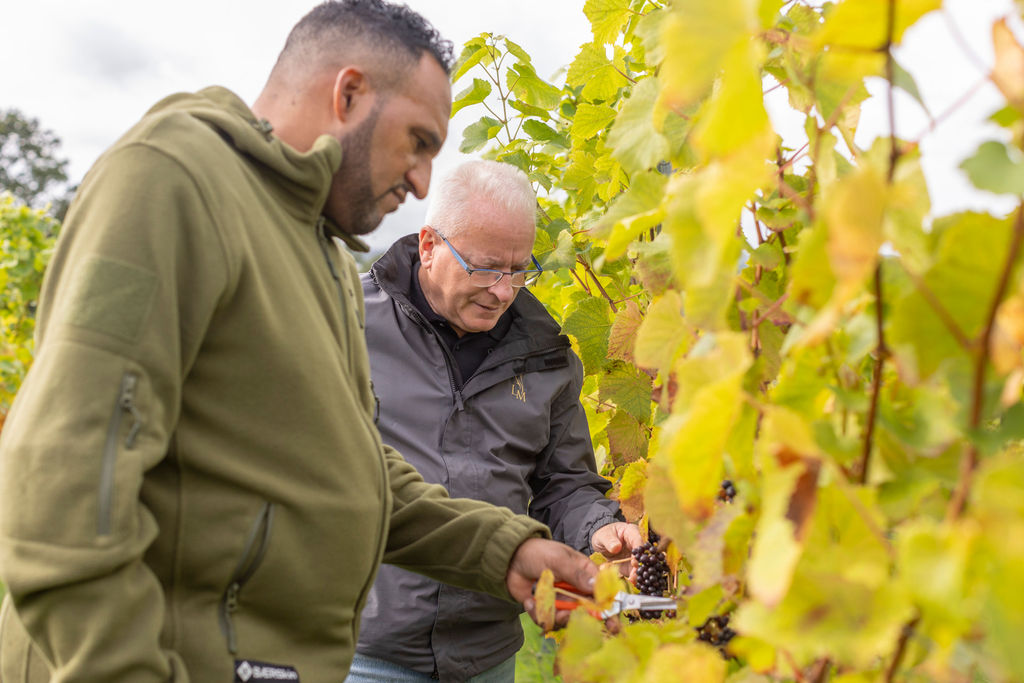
808 380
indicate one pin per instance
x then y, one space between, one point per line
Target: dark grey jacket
515 435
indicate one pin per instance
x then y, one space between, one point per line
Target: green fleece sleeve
135 278
464 542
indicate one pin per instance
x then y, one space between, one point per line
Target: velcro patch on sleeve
111 297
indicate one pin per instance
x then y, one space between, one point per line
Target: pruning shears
623 601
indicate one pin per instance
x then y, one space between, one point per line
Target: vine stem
880 349
969 462
901 648
600 287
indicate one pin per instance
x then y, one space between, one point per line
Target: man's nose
418 178
503 289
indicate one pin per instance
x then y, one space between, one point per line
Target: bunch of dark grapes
652 576
715 631
727 492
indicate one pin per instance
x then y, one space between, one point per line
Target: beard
358 213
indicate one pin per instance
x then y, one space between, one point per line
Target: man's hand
616 541
537 554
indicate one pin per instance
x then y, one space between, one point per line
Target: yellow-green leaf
590 120
474 94
690 662
663 334
607 585
635 137
607 18
544 600
596 73
696 36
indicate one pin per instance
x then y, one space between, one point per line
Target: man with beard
191 484
479 389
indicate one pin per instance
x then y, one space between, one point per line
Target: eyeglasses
488 277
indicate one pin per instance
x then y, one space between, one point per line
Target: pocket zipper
252 556
125 404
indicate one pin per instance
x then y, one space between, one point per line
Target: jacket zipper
448 355
252 556
324 242
125 404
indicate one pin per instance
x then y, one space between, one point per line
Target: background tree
30 166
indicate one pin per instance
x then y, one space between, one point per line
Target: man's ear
428 242
352 94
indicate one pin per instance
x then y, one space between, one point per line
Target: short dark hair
390 28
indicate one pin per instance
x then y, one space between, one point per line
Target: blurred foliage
26 243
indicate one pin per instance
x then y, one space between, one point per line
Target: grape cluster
727 492
652 576
715 631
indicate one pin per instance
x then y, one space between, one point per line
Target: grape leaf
690 662
607 585
590 120
607 18
593 70
629 389
635 137
996 168
544 600
627 439
474 94
696 36
663 334
590 324
477 134
624 330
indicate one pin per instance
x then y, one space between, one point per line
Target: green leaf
627 439
996 168
634 138
971 251
607 18
477 134
590 120
473 52
475 94
633 213
524 83
590 324
904 80
542 132
596 73
629 389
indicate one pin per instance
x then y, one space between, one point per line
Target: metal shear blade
628 601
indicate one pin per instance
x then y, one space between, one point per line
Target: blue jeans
372 670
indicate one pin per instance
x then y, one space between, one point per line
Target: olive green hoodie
191 484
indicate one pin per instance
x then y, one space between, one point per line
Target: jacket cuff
587 532
502 546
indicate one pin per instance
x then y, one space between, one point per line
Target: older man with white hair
480 391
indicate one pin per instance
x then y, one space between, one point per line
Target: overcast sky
89 70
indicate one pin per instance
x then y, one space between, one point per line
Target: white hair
503 185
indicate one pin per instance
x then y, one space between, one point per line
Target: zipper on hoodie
125 405
253 551
324 241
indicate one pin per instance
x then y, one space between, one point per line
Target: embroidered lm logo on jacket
518 388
